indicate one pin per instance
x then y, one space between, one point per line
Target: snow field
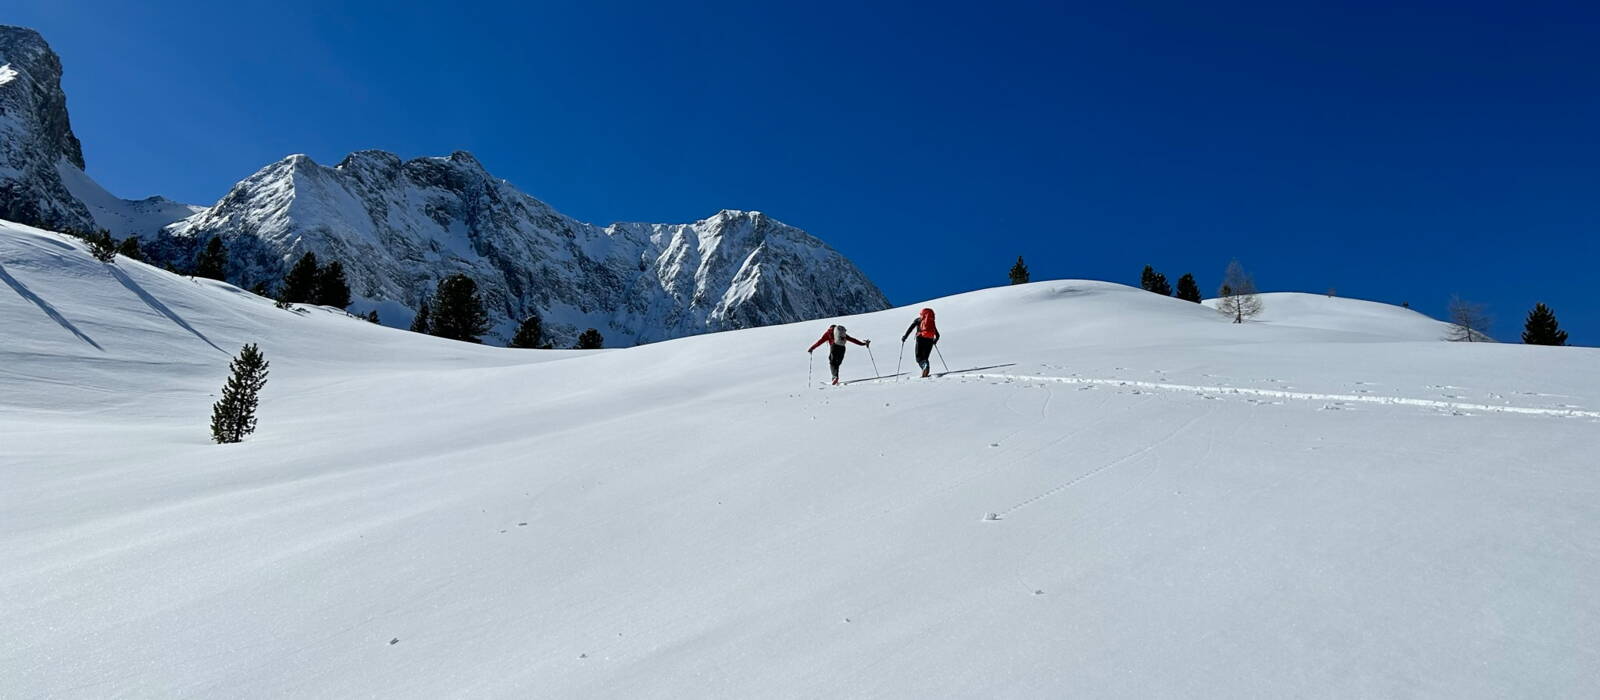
1178 508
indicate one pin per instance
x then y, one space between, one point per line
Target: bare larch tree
1237 296
1470 323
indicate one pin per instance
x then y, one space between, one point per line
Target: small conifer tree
1019 272
420 322
130 249
1153 281
458 312
1188 290
102 246
213 261
332 288
234 415
1541 327
300 285
372 316
530 333
590 340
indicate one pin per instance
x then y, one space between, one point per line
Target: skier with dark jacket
927 335
836 337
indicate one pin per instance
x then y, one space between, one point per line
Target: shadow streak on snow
873 379
973 369
157 306
45 306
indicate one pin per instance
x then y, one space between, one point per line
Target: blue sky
1393 151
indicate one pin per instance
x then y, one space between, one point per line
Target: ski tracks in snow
1300 395
1147 449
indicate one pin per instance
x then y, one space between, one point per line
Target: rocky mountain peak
38 78
400 226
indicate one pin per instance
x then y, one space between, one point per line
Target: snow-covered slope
1325 503
122 217
401 226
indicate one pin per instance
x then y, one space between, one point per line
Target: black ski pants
924 347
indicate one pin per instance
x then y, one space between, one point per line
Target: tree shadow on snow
45 306
156 305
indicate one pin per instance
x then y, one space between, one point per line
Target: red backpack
925 328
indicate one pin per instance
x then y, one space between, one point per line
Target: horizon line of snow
1302 395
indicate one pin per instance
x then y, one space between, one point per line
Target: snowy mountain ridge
399 227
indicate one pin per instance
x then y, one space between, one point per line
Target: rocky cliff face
35 135
42 182
401 226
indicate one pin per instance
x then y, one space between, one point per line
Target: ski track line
1303 395
1072 526
1147 449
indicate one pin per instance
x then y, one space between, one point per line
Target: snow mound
1113 494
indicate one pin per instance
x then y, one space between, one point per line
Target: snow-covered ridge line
400 226
1300 395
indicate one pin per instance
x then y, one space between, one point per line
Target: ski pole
875 373
941 358
901 357
810 357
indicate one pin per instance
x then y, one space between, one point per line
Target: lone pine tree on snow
529 334
1541 327
213 261
458 312
1188 290
1237 296
1153 281
234 415
1019 272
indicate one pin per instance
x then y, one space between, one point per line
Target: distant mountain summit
400 226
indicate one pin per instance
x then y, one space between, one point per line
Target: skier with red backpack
927 335
836 337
